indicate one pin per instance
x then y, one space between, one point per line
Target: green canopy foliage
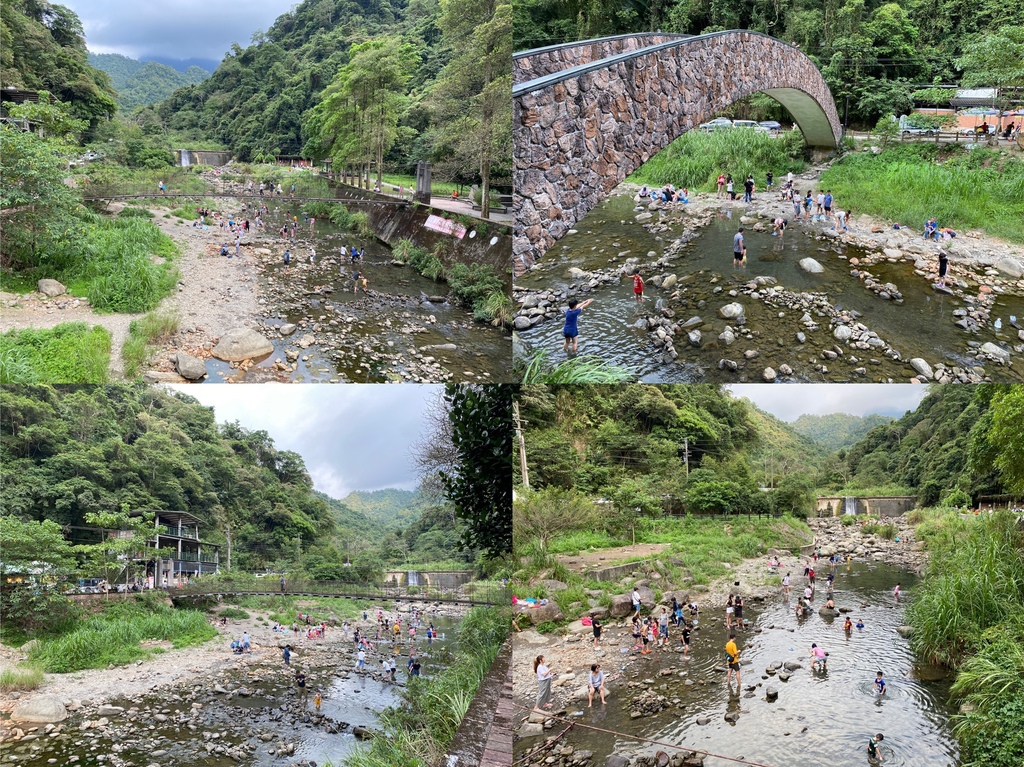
42 47
140 83
873 52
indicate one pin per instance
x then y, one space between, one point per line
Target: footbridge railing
469 594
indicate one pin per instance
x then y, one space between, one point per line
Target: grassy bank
978 189
68 353
700 550
113 636
340 216
969 615
417 732
144 334
475 286
695 159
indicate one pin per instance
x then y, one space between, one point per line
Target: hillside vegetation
140 83
837 430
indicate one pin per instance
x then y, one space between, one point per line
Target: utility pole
522 444
227 534
686 455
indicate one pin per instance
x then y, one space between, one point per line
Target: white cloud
176 29
789 402
351 437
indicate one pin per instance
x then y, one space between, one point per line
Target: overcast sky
351 437
789 401
174 29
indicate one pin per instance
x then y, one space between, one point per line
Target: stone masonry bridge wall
579 132
529 65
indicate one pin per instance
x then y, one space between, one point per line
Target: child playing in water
848 626
570 332
317 700
820 657
874 752
638 286
879 683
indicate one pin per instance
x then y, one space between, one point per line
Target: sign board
445 226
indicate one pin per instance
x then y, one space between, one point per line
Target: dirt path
214 293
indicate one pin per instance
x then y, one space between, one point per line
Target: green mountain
42 47
388 508
348 520
945 443
139 83
407 71
660 447
66 451
837 430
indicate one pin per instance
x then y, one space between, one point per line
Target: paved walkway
484 738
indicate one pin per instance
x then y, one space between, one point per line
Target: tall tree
480 487
357 120
473 94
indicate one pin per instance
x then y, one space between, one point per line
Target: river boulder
43 709
51 288
995 351
1011 267
731 311
771 694
240 344
842 333
190 367
923 368
541 613
810 265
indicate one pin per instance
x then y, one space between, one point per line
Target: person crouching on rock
596 683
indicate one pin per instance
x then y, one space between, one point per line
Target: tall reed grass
153 329
113 637
963 189
585 368
21 679
695 159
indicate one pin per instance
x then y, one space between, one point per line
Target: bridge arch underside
578 135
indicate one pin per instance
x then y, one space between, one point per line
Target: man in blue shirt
571 331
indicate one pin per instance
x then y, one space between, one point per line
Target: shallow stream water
270 709
613 327
399 299
820 717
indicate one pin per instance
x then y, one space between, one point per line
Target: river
820 717
395 333
614 328
193 724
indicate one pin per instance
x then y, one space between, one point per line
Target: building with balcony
178 553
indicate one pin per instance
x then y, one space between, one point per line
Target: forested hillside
876 53
387 508
68 451
947 445
42 47
837 430
628 445
138 83
423 79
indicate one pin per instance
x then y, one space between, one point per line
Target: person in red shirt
638 286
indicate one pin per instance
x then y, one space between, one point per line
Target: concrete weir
586 122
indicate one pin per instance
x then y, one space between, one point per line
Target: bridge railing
482 593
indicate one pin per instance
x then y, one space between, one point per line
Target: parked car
771 126
750 125
91 586
718 123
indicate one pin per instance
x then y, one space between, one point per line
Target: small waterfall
850 505
412 578
186 160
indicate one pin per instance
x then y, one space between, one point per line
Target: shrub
67 353
130 212
547 627
153 329
848 520
234 613
20 679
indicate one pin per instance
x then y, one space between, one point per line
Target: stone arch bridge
593 112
